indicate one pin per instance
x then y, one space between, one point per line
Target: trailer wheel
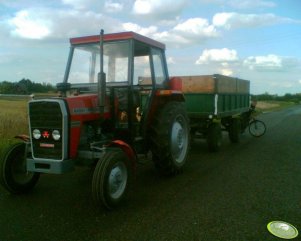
111 178
169 137
214 137
14 175
235 130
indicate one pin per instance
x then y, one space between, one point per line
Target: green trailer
215 103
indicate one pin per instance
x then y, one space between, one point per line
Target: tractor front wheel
14 175
111 178
169 137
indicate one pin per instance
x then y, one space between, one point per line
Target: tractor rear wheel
169 138
111 178
14 176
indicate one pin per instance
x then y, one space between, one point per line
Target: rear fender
161 98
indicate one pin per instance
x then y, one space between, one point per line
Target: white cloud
143 7
227 72
113 7
158 9
27 26
47 23
242 4
196 26
138 29
190 32
170 60
270 62
222 56
232 20
82 4
246 4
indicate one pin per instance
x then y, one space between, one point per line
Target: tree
24 86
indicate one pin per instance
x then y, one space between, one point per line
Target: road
230 195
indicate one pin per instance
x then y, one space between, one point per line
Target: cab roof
116 37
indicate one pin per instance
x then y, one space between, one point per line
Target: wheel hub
178 141
117 180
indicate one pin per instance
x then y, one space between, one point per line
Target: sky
257 40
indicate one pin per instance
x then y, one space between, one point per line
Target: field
267 106
13 119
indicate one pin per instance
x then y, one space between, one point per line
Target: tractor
116 103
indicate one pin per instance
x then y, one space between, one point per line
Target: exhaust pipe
101 81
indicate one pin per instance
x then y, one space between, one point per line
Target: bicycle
257 128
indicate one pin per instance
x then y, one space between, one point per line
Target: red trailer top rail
116 37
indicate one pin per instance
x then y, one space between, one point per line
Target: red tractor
116 101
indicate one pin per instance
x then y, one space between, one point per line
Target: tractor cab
134 68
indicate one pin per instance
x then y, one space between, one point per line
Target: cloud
222 56
113 7
271 63
247 4
50 24
232 20
242 4
82 4
196 26
27 26
170 60
158 9
138 29
190 32
227 72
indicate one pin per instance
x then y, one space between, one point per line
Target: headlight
36 134
56 135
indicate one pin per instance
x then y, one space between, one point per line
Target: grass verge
268 106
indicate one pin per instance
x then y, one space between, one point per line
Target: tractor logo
45 134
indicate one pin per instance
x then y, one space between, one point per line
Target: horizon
254 40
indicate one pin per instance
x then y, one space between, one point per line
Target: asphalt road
230 195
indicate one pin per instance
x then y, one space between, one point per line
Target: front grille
46 116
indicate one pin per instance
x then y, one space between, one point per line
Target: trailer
214 103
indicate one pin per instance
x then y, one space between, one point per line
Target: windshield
85 64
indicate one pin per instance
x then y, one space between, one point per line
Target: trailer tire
235 130
169 138
214 137
14 176
111 179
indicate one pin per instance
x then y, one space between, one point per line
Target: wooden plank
214 84
225 84
198 84
243 86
